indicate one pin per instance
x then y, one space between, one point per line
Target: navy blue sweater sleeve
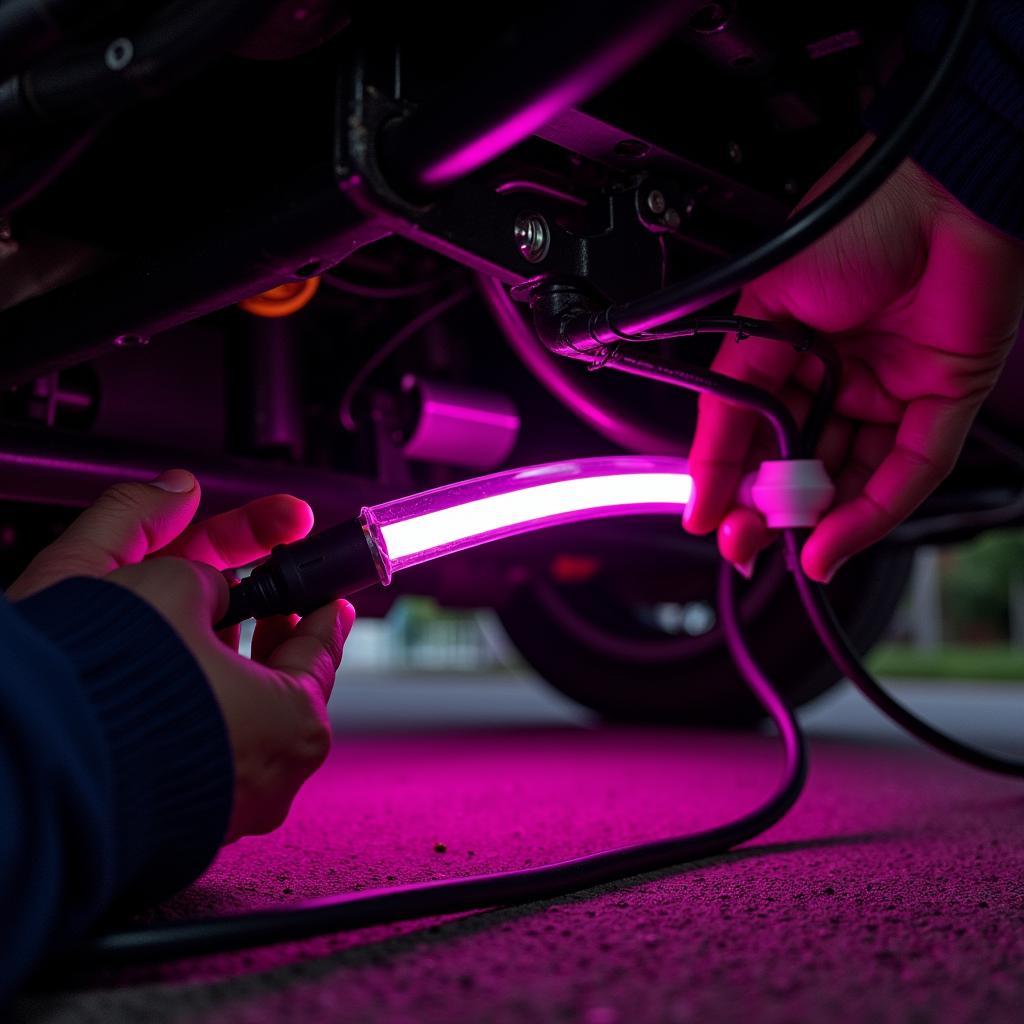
975 145
115 767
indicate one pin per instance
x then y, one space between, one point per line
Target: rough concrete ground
893 892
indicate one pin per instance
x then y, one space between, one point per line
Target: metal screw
672 218
532 236
656 202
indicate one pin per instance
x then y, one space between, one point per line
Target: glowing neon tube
387 538
412 530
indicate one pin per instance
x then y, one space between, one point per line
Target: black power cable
801 338
833 638
812 595
360 910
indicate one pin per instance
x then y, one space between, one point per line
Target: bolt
672 218
735 153
656 201
532 236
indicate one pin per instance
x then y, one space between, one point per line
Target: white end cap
791 492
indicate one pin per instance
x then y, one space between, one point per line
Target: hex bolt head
672 218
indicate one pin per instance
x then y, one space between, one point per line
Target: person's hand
922 301
141 536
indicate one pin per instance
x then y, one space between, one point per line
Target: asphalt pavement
894 891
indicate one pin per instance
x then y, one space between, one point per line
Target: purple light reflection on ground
892 889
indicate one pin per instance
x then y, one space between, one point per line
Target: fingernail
346 616
835 568
746 569
177 481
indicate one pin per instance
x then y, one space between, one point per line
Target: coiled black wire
836 643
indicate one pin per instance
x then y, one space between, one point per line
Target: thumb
127 522
313 648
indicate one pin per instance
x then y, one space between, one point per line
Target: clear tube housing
439 522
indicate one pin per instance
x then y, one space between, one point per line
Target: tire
619 660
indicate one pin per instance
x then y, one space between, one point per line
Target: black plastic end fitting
306 575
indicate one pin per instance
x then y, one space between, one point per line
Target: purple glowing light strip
462 515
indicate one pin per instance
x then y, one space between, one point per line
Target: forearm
115 769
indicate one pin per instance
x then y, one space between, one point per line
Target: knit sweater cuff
974 145
979 158
171 770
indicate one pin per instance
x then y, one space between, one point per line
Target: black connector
306 575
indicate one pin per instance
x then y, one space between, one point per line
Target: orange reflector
283 300
574 568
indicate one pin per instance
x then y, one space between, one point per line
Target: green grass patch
951 662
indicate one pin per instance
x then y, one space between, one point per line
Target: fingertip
693 510
819 561
746 569
741 537
696 520
346 616
294 517
713 487
175 481
303 512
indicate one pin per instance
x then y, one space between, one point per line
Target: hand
922 301
141 536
